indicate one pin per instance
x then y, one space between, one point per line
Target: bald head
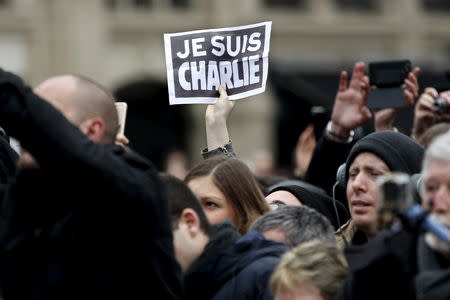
81 99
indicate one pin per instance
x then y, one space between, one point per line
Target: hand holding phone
388 78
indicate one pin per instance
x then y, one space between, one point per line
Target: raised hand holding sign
198 62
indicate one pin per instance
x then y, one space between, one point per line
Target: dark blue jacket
234 268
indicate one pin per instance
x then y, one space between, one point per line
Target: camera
396 196
319 117
441 105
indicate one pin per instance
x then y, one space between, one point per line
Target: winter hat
399 152
320 202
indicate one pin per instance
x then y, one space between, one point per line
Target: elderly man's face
436 190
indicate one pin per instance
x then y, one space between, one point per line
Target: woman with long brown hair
227 189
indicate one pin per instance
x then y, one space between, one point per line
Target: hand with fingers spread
384 118
425 112
216 120
350 109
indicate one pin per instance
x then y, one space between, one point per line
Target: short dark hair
299 224
181 197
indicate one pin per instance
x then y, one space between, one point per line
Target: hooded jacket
233 268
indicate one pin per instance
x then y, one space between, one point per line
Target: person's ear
94 129
192 221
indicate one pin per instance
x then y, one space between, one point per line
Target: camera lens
441 105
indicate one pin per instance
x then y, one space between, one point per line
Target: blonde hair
318 263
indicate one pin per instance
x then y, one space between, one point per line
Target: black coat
91 223
8 159
327 157
433 278
383 268
232 268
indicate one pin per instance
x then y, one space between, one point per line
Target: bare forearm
216 134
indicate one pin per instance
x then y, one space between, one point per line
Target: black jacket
91 223
397 264
433 278
232 268
8 159
383 268
327 157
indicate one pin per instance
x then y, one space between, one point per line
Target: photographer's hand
446 96
349 110
216 121
384 118
424 113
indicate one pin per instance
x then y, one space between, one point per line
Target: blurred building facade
119 42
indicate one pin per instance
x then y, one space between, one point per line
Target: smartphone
121 108
319 117
385 74
388 78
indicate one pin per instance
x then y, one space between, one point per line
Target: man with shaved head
83 219
84 103
81 99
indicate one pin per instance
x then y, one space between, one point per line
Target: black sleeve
54 142
116 184
59 146
226 150
8 159
433 285
327 157
384 268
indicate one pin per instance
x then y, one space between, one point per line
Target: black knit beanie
399 152
322 203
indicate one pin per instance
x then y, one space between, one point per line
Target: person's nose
359 183
441 200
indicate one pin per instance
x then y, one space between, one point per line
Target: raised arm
54 142
217 137
426 114
349 112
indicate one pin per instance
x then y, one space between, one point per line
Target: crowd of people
85 217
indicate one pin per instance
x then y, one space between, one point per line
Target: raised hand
425 113
216 120
350 110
